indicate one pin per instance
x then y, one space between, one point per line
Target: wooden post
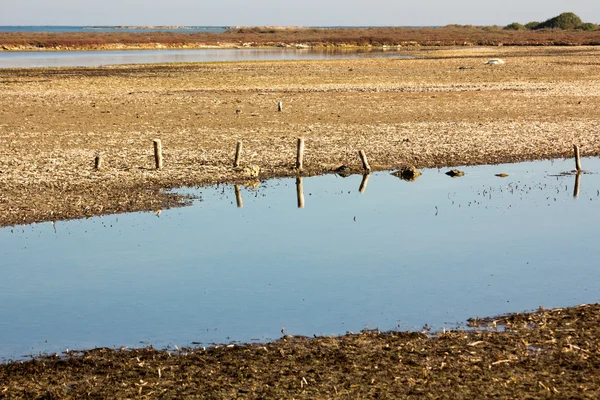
300 192
363 183
363 158
280 106
300 154
238 196
238 154
577 158
158 158
98 163
577 182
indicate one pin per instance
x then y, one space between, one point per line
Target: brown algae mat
545 354
445 107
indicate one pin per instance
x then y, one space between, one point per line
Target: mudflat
545 354
445 107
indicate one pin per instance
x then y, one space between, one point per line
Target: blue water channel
110 29
31 59
397 255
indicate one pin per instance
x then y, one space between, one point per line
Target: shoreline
405 46
224 46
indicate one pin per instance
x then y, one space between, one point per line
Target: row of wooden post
299 156
158 158
300 163
367 168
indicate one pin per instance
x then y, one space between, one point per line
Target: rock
343 171
454 173
495 61
409 174
251 171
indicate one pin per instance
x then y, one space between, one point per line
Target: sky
290 13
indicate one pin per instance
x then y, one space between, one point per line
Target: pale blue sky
281 12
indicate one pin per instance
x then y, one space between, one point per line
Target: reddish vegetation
446 36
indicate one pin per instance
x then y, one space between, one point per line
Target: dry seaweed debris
536 355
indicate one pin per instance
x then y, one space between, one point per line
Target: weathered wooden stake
577 158
238 154
300 154
577 182
158 158
238 196
280 106
363 183
300 192
98 163
363 158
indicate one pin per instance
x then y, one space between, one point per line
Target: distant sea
140 29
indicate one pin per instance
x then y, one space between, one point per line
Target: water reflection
577 183
300 192
238 196
436 251
115 57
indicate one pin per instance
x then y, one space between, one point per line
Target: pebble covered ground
444 108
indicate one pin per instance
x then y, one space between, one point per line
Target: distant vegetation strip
565 29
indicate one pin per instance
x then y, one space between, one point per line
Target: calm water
99 58
400 254
109 29
138 29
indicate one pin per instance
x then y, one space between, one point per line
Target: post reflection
577 182
300 192
238 196
363 183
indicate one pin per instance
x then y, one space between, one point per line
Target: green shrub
515 26
492 28
566 20
532 25
588 26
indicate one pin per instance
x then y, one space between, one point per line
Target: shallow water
28 59
399 255
111 29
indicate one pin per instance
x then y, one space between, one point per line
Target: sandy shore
425 112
